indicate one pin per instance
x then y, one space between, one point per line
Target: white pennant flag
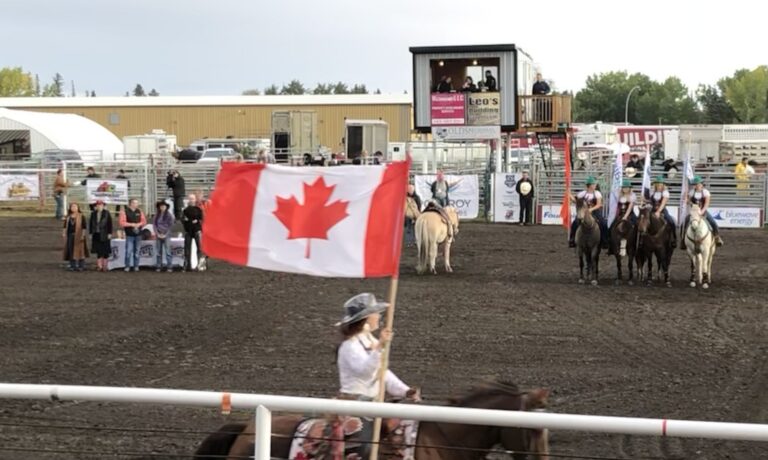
647 176
687 177
615 184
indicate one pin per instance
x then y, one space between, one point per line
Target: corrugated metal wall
194 122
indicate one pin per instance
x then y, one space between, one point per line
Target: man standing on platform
524 189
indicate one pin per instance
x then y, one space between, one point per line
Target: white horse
432 231
700 247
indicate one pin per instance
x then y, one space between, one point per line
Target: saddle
433 207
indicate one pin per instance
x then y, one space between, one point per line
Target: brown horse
587 242
654 239
624 244
435 441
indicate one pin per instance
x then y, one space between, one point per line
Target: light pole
626 106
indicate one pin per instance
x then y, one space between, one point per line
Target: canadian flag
344 221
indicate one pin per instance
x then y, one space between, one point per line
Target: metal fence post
263 445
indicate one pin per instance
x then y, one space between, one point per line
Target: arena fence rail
264 404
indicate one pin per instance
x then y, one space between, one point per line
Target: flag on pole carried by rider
615 184
565 208
647 175
345 221
687 177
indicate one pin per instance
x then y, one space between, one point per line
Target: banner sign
448 109
483 109
19 187
464 133
463 193
110 191
506 200
550 214
148 253
737 217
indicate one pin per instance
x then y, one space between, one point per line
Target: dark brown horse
435 441
587 242
654 240
624 244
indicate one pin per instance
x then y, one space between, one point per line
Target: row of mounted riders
641 238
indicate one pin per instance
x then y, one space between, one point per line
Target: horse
624 244
587 242
700 247
654 239
434 440
432 230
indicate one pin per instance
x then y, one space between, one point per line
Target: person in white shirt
359 355
659 199
701 196
627 202
594 199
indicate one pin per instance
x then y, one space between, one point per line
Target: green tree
14 82
668 102
38 91
154 93
271 90
251 92
714 108
295 87
323 88
340 88
747 93
139 90
55 88
93 93
359 89
378 91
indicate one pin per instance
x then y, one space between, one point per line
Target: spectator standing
524 189
90 173
490 82
59 191
540 87
100 226
121 175
175 182
75 244
192 219
412 211
162 223
743 171
132 219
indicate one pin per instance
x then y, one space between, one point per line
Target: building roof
462 49
11 135
65 131
191 101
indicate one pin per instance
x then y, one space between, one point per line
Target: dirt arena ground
511 308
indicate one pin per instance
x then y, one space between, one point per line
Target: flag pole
390 320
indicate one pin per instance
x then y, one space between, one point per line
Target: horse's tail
422 241
217 445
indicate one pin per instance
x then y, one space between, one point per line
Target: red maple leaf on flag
314 218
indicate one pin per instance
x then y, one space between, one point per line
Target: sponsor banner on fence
506 200
737 217
447 109
19 187
110 191
463 193
550 214
463 133
483 109
148 253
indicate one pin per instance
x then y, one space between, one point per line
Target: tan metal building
191 118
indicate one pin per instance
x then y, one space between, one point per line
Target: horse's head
453 215
644 220
582 212
694 212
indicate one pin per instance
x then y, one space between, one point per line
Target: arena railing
264 404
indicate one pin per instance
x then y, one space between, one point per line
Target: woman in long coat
101 233
74 233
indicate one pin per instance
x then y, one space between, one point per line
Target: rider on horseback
594 200
627 200
659 198
701 197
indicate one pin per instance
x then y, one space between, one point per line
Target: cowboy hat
626 183
658 180
525 188
696 180
630 171
360 307
591 180
98 202
161 203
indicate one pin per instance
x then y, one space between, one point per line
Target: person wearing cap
594 199
524 190
162 223
659 198
627 201
100 227
359 355
701 197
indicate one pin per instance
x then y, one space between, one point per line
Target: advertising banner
19 187
483 109
148 253
506 201
463 193
110 191
448 109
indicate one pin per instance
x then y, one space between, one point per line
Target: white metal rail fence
264 404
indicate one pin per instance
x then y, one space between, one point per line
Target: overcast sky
222 47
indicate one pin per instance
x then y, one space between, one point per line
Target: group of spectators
132 225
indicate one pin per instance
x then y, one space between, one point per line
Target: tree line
15 82
296 87
739 98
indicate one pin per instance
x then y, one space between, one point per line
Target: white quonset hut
60 131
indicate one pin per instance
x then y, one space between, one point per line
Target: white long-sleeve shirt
359 368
